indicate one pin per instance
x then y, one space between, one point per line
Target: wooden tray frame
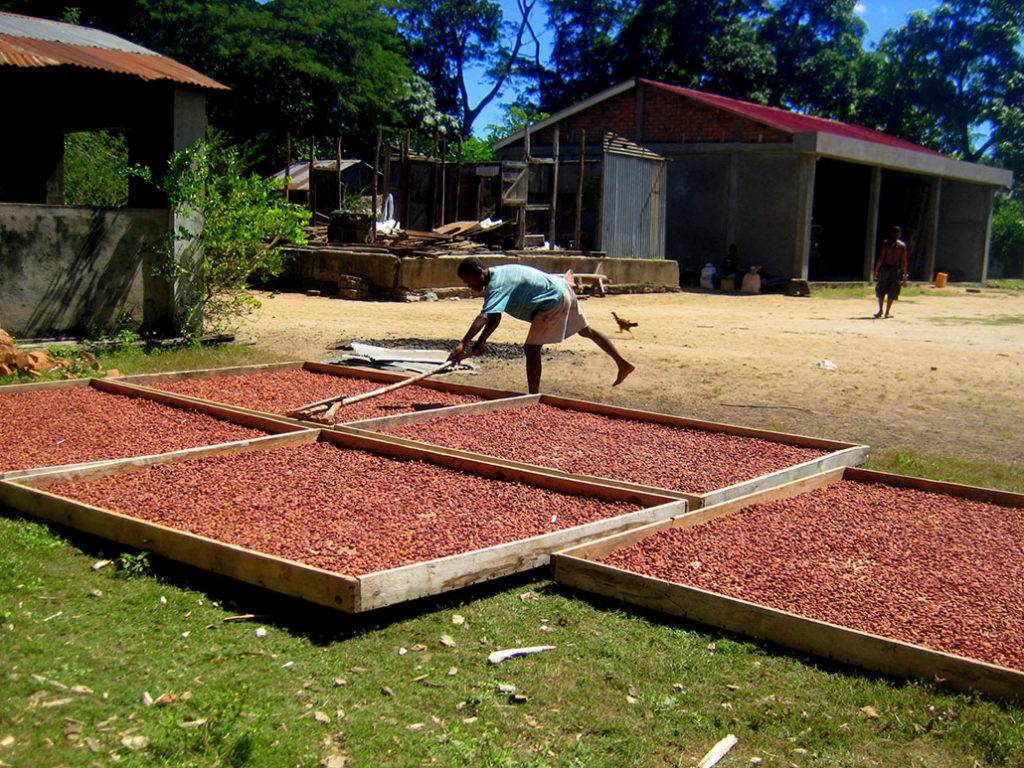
842 454
352 594
269 423
576 567
145 382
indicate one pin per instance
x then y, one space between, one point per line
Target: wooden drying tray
352 594
840 454
577 567
269 423
148 382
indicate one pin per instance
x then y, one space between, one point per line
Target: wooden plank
249 418
697 516
74 473
385 423
840 459
456 571
680 421
146 379
375 374
294 579
873 652
487 466
991 495
468 456
43 385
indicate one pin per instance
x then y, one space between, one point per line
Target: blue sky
880 15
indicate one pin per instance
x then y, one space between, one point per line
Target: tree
818 51
449 39
233 228
951 80
707 45
310 67
584 52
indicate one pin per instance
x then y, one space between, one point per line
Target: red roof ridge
788 121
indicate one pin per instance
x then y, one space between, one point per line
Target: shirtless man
890 271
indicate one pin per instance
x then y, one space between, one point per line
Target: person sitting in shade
547 302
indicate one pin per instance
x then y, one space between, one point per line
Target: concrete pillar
802 218
188 126
932 224
871 225
988 233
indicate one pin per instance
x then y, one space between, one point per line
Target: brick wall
668 118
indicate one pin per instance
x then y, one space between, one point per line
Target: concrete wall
392 277
67 270
965 221
719 195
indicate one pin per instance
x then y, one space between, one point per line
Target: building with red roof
800 196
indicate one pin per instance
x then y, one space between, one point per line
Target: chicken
624 324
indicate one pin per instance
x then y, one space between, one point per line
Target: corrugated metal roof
790 122
620 145
299 172
30 42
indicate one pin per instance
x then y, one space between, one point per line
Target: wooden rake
331 405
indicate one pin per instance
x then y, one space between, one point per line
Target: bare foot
624 370
878 314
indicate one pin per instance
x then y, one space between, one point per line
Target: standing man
890 270
545 301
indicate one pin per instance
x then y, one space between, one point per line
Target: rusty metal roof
26 41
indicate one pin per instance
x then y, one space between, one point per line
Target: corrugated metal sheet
299 172
33 28
790 122
620 145
633 206
29 42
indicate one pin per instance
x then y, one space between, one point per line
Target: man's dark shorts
889 281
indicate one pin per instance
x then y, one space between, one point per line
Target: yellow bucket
940 279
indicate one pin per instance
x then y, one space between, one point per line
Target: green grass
986 475
135 360
990 320
185 359
623 687
83 648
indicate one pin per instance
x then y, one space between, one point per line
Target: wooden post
288 166
458 181
434 201
403 182
340 190
309 181
578 232
376 167
554 188
387 176
444 182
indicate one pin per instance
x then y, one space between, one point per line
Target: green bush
96 169
1007 253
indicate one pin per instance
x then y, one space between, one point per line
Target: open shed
66 269
801 196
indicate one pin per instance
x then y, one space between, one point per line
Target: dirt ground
943 377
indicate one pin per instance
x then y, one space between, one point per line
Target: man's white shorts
558 323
